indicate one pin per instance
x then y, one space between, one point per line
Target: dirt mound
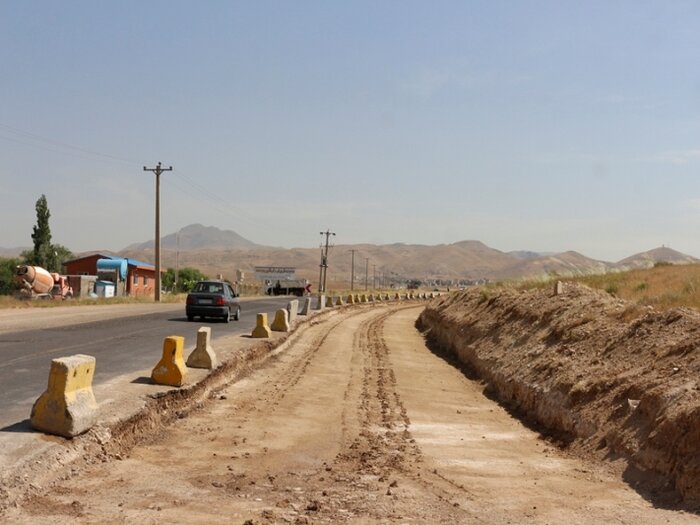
604 375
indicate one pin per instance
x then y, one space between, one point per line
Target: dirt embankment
606 376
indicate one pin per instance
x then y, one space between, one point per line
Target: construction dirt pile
601 375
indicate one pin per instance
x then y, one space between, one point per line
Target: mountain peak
655 255
199 237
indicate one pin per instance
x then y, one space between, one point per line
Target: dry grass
663 287
7 301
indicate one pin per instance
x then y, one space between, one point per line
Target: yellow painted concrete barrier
397 296
68 406
203 356
171 369
281 322
262 329
363 298
351 299
339 301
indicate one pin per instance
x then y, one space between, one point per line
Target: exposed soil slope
598 372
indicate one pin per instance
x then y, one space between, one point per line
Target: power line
56 143
222 205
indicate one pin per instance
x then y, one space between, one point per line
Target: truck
38 283
298 287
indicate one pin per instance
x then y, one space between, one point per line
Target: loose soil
354 420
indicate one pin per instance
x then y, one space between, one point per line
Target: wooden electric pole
352 271
324 263
158 170
366 271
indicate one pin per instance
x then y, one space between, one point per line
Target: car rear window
208 288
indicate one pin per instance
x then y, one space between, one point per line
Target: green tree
42 255
45 254
8 283
186 279
62 255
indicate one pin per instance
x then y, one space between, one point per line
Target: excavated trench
602 376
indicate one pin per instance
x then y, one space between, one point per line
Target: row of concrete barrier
285 316
68 406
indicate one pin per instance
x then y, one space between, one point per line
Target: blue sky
545 126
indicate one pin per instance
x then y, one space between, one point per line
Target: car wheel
190 318
227 317
237 315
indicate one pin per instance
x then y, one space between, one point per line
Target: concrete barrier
281 322
330 301
558 288
370 298
171 369
357 297
397 296
320 302
293 310
339 301
305 306
351 299
67 407
262 329
363 298
203 355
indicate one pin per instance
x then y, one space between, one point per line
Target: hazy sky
545 126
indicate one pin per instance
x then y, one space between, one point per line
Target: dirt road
356 421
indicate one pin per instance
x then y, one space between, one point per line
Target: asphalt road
120 345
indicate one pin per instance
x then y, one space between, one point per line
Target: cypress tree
43 254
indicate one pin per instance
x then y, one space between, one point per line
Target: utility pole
366 271
352 271
320 272
158 170
177 260
324 263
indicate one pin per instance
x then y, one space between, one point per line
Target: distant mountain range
12 252
215 251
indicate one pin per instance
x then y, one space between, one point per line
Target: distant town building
140 278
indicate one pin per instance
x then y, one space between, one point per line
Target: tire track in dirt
318 434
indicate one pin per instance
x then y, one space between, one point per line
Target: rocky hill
563 264
215 252
198 237
651 257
